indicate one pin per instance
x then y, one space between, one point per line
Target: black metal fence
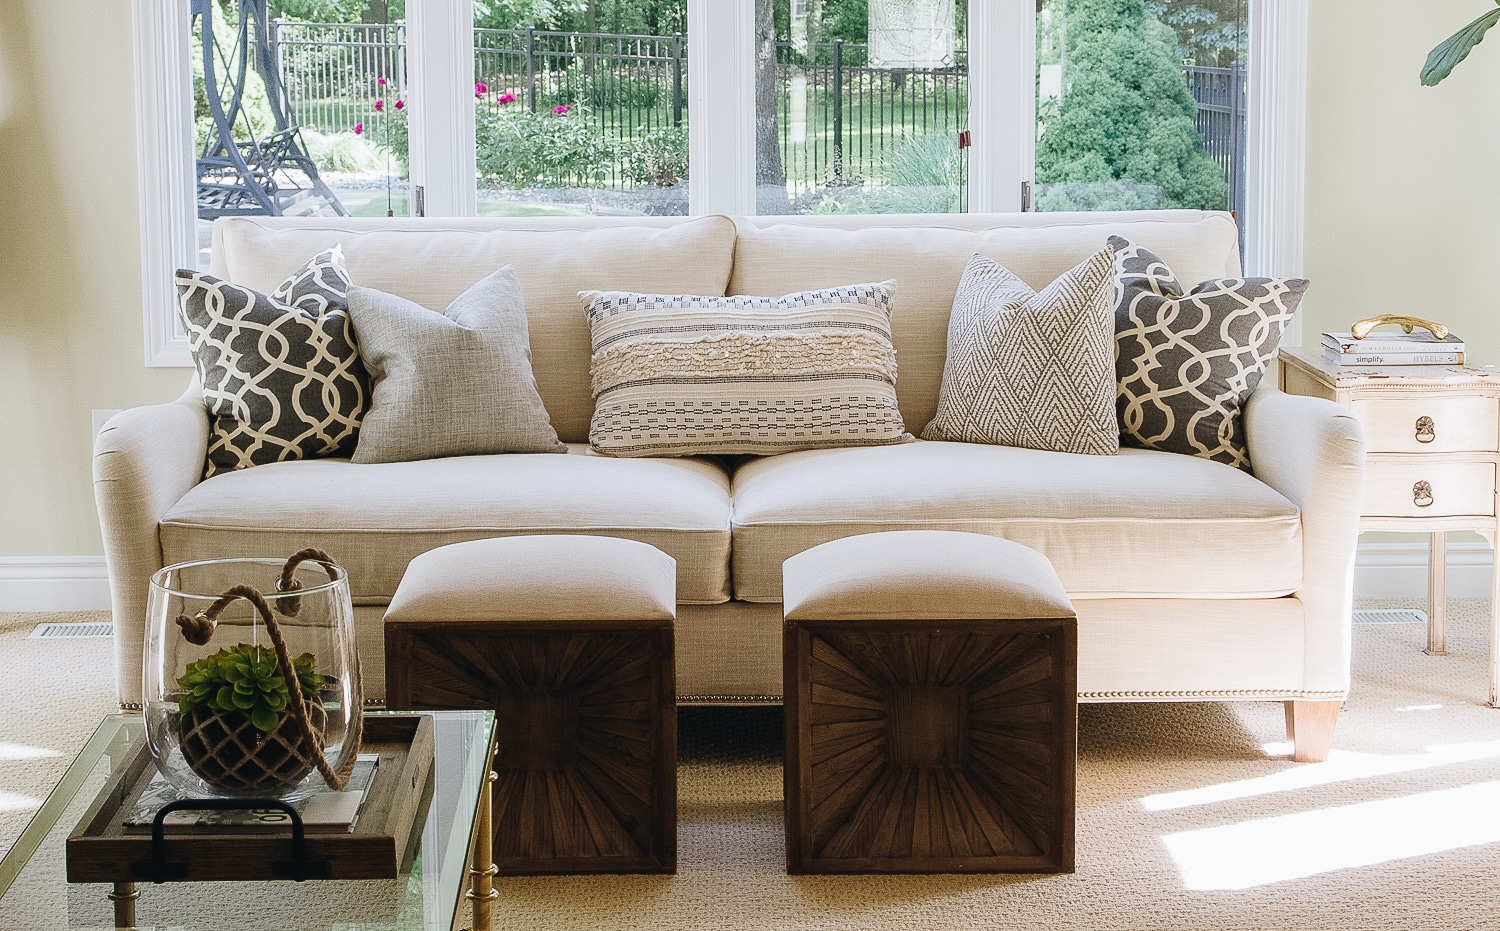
1223 100
331 71
840 119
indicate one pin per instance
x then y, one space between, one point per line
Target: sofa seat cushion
1142 524
375 518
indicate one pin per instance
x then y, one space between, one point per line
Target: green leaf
1443 59
264 720
245 701
224 701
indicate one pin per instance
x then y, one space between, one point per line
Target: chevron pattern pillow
684 375
1028 368
281 373
1186 363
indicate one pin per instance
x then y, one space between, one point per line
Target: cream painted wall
70 291
1403 181
1403 213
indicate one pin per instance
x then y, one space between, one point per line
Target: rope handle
285 582
200 627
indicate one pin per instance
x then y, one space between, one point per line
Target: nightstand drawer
1431 425
1429 489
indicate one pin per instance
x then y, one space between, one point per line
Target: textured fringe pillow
683 375
456 383
1028 368
1187 363
281 373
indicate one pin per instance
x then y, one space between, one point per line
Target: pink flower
400 105
480 89
359 128
562 109
506 98
380 81
379 105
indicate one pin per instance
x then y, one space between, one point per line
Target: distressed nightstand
1432 435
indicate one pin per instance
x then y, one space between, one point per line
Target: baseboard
1381 570
54 583
1399 570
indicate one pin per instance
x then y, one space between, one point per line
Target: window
860 106
727 106
1140 106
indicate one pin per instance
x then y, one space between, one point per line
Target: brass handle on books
1362 329
1421 494
1426 430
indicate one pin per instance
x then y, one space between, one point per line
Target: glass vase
220 717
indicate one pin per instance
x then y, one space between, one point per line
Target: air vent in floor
68 631
1391 616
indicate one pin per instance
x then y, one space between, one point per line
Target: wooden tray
101 850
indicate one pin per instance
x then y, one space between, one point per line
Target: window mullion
1002 102
440 88
721 107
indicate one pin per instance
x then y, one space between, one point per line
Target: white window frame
721 90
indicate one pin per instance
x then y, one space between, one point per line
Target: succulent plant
245 679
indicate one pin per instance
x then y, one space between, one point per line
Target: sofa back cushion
926 255
554 257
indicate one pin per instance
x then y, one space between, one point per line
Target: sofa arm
1313 452
145 460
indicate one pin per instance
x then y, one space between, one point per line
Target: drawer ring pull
1421 494
1426 430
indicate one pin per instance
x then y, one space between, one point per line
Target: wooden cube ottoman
569 639
931 707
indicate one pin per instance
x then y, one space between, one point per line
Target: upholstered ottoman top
553 577
908 574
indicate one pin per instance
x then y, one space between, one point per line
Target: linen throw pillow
281 373
678 375
1187 362
456 383
1028 368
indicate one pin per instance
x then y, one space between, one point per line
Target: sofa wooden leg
1309 726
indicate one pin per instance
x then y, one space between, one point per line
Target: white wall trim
1277 146
54 583
721 99
164 169
440 92
1399 570
1002 103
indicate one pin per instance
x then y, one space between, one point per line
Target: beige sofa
1193 580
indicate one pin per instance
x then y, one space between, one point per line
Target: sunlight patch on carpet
9 751
1342 766
1269 850
15 801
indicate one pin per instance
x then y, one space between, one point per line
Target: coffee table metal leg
124 896
482 891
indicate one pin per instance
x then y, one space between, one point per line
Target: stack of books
1417 348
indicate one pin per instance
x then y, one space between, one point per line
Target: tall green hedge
1126 114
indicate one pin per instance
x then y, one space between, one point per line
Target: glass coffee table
450 867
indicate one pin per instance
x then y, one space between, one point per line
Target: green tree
1126 112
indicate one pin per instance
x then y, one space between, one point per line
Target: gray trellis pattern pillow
1028 368
1187 362
281 373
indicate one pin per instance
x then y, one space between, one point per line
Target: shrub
1126 112
519 149
658 157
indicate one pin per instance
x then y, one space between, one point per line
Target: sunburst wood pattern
931 746
587 760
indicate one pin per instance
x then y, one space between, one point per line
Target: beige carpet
1188 815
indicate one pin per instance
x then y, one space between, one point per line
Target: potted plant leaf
1445 57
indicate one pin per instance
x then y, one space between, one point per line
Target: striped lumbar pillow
682 375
